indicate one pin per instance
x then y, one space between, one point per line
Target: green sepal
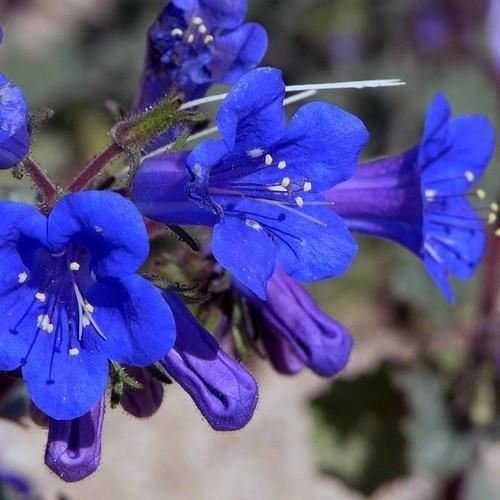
159 373
120 380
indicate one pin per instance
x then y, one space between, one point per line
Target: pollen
497 232
481 194
89 307
268 159
307 186
494 206
43 322
40 296
190 38
299 201
22 277
177 32
202 29
282 164
85 322
469 175
285 182
430 194
197 20
74 266
208 39
74 351
492 218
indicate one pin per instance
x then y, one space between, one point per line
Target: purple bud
295 330
144 402
74 446
223 390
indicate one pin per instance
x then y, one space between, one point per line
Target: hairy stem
45 186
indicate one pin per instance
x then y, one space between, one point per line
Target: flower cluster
86 305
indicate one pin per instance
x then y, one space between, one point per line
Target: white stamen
177 32
98 229
255 153
307 87
74 266
40 296
492 218
208 39
277 189
85 322
197 20
190 38
202 29
22 277
268 159
282 164
253 224
285 182
89 307
430 194
74 351
481 194
299 201
307 186
497 232
469 175
494 206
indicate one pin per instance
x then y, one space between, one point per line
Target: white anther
74 266
85 321
492 218
285 182
481 194
494 206
282 164
40 296
255 153
190 38
74 351
202 29
497 232
43 322
299 201
22 277
197 20
430 194
469 175
89 307
177 32
98 229
307 186
208 39
253 224
268 159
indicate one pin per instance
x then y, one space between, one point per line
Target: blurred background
416 414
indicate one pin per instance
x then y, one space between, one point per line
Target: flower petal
146 401
251 117
238 51
61 385
247 252
73 449
223 390
107 224
136 321
322 144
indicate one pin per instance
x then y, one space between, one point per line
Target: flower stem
94 167
46 187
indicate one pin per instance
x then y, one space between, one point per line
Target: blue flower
294 331
260 185
223 390
418 198
14 136
195 43
73 449
70 299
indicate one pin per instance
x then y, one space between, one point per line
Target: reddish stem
42 181
94 167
